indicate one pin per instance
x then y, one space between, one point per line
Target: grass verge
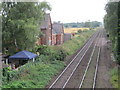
34 75
72 45
114 77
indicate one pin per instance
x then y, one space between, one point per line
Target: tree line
112 26
21 25
88 24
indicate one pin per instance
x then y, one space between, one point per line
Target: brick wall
62 38
58 39
54 39
67 37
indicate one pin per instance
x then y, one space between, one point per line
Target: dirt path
105 65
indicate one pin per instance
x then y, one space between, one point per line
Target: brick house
46 29
57 34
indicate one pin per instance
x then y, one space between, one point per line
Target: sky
67 11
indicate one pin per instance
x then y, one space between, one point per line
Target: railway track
90 74
105 65
77 70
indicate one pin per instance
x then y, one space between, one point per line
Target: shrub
114 77
35 75
51 53
58 54
9 75
42 49
79 31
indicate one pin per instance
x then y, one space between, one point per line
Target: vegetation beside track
114 77
112 26
48 64
72 45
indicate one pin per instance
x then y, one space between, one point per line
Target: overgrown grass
34 75
114 77
48 64
72 45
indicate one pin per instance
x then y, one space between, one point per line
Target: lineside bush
114 77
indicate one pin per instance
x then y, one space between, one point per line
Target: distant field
73 30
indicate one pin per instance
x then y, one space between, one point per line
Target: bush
35 75
9 75
114 77
58 54
51 53
42 49
79 31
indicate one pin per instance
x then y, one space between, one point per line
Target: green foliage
42 49
21 25
111 25
0 32
8 75
54 53
57 53
118 43
90 24
114 79
35 75
79 31
48 64
1 78
72 45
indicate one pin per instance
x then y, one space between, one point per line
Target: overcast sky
77 10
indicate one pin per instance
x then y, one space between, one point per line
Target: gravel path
105 65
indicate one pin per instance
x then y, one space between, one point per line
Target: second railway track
90 74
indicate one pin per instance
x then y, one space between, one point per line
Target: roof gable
57 28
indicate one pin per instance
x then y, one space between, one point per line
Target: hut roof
23 55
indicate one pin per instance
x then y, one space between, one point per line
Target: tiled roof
57 28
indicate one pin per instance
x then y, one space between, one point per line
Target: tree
118 50
88 24
95 24
92 24
21 25
111 24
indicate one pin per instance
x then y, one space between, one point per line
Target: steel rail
95 34
96 69
87 67
77 66
83 78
